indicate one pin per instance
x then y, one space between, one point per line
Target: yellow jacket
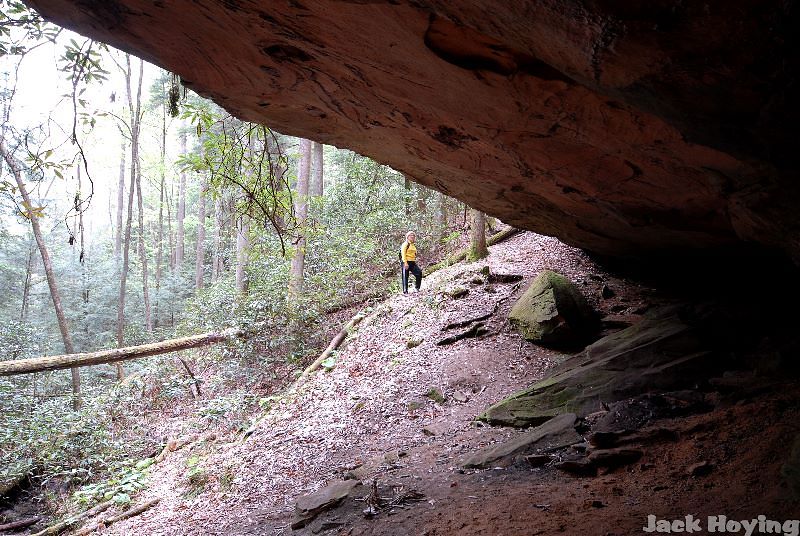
408 252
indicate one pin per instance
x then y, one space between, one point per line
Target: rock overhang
629 128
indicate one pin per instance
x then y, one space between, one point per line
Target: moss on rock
553 312
664 351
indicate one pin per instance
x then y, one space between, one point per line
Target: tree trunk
148 318
120 202
441 222
242 246
56 362
201 237
422 206
477 244
216 261
134 130
317 186
48 268
296 277
160 231
26 288
180 250
171 244
407 186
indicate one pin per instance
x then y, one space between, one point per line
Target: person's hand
405 265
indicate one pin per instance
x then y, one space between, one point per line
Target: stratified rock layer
626 127
672 348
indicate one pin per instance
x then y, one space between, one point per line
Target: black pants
414 269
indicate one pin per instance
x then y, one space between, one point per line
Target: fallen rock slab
435 429
310 506
555 433
671 348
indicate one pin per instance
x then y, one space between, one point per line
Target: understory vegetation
161 216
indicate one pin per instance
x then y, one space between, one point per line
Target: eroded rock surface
628 128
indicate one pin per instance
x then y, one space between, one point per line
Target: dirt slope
365 419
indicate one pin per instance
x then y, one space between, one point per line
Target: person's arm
403 249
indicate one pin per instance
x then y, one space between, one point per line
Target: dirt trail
365 418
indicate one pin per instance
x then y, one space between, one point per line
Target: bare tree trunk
296 278
201 237
134 127
26 288
160 232
407 197
477 245
48 268
180 250
441 221
148 318
216 261
422 206
242 246
171 244
317 186
120 201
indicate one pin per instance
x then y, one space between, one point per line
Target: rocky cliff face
625 127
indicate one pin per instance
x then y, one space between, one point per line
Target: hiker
408 261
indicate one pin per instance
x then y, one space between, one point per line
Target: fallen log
462 254
19 524
56 362
334 344
135 511
70 521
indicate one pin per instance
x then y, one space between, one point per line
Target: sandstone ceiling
630 127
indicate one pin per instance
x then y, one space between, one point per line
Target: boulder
310 506
436 429
555 433
670 349
553 312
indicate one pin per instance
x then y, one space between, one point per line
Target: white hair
410 233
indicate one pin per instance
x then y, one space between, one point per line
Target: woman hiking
408 261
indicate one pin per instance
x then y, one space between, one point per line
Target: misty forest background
163 216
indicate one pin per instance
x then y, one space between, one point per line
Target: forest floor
399 410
